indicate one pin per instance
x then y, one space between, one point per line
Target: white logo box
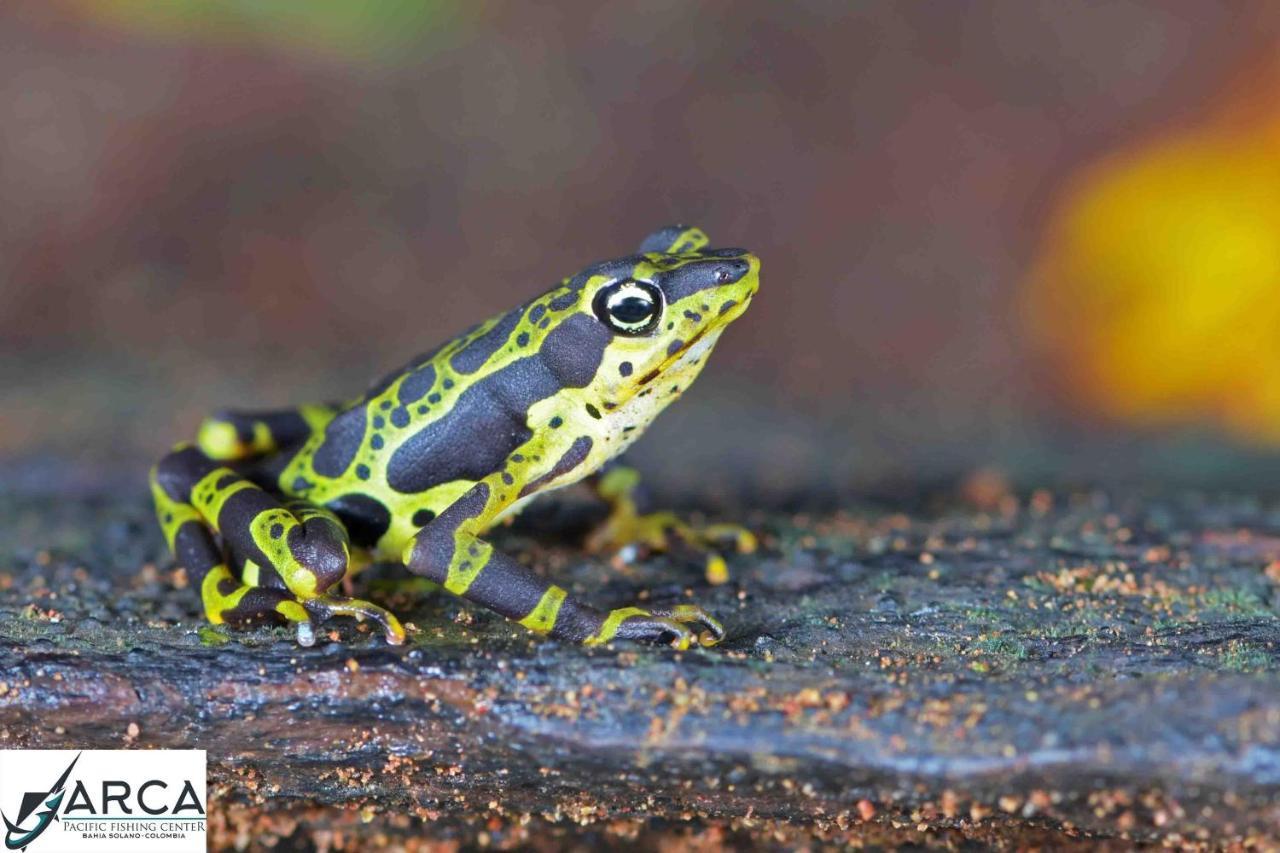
69 801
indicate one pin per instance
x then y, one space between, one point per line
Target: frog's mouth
673 358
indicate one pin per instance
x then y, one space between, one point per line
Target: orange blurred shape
1156 295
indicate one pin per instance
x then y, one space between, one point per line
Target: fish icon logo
43 804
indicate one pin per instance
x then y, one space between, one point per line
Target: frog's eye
629 307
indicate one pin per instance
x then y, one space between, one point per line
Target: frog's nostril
731 271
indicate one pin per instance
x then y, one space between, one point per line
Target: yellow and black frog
268 511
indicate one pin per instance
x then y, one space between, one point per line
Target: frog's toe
306 634
681 626
710 631
328 606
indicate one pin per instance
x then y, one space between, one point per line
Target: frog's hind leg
290 554
226 598
232 435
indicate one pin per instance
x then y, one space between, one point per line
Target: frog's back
395 458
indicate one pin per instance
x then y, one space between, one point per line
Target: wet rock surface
987 667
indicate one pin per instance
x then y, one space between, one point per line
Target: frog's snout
731 271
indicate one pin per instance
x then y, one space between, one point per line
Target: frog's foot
325 607
289 554
227 599
681 626
626 527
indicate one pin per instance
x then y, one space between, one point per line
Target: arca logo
16 836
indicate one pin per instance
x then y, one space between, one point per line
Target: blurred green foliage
379 30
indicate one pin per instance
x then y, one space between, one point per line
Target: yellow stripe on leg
467 566
215 603
543 616
609 629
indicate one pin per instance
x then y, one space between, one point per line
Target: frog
272 513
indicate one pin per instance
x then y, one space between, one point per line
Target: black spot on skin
610 406
342 439
593 411
376 442
536 312
693 315
433 399
400 417
675 347
727 306
448 384
507 478
434 545
422 410
628 428
365 518
703 308
379 422
168 518
277 530
301 484
422 517
240 513
384 405
545 322
573 349
625 368
489 420
517 457
671 325
362 471
556 422
565 300
470 358
523 339
416 385
572 458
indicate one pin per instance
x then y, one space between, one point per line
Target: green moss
1238 656
1002 647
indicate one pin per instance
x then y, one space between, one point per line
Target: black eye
629 307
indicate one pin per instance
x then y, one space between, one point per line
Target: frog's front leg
449 551
660 531
289 554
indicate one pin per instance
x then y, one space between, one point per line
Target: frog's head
665 309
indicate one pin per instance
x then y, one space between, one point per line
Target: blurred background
1011 239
